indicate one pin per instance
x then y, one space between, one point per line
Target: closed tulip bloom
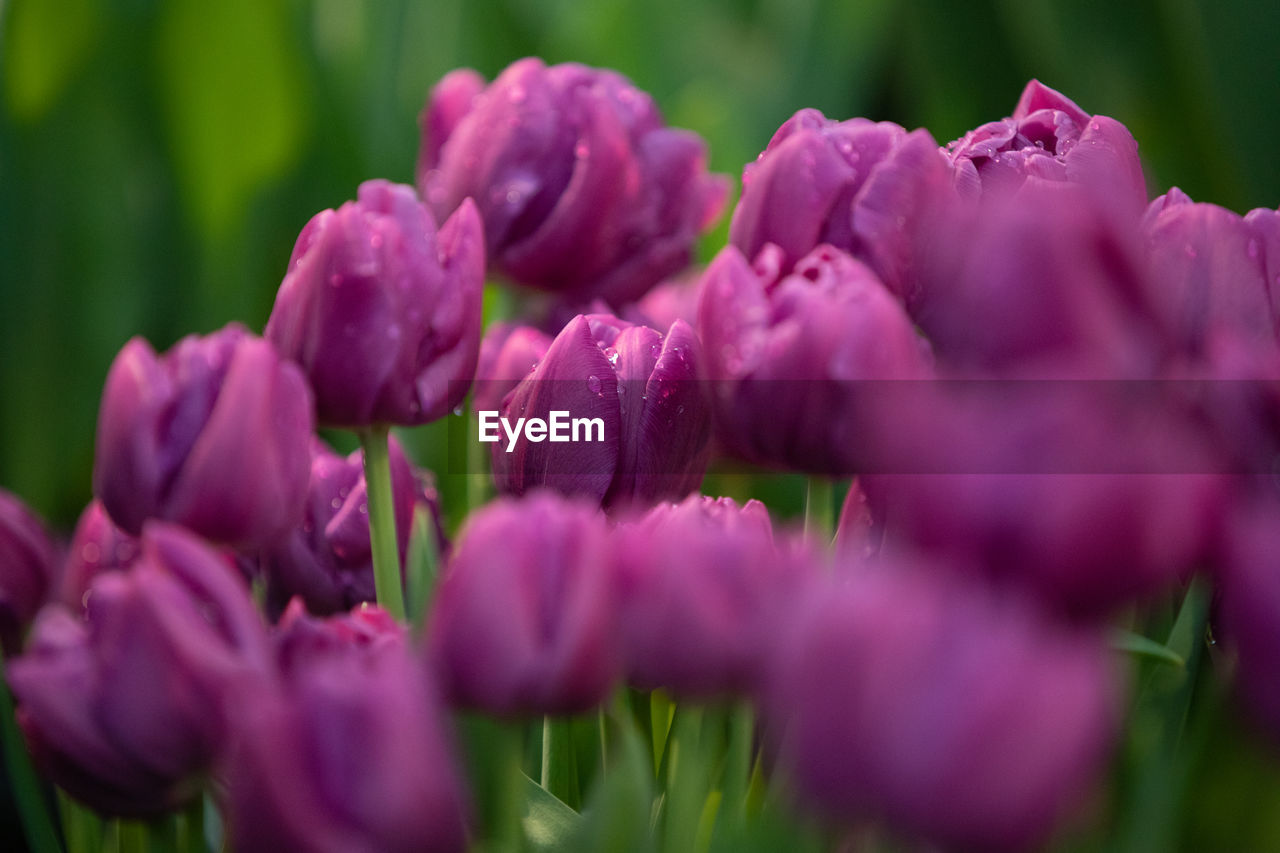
381 310
1218 272
796 358
327 559
582 188
507 354
869 188
97 546
348 751
700 584
957 717
1049 138
125 706
643 387
524 621
212 435
28 562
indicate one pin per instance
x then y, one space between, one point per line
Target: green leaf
28 792
1140 646
45 43
548 823
422 566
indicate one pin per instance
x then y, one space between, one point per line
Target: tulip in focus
327 559
125 707
642 385
27 569
524 620
381 310
953 715
348 750
212 435
582 188
871 189
1050 139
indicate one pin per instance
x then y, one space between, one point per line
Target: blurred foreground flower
1250 608
524 619
871 189
955 716
27 569
97 546
212 435
507 354
327 559
348 750
381 310
643 387
582 188
125 707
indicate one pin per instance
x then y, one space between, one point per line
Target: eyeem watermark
558 428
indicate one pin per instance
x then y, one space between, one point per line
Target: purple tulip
327 559
97 546
507 354
871 189
524 620
212 435
674 299
125 707
953 715
1041 284
27 569
1218 272
1249 610
700 583
381 310
644 389
1050 139
582 189
858 535
348 752
795 359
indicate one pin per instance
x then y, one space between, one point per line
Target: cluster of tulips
1059 402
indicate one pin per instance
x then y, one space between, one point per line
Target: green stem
133 836
193 827
28 793
81 828
423 565
818 503
382 521
559 767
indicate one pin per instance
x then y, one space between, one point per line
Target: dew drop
593 384
335 503
1190 251
364 508
90 553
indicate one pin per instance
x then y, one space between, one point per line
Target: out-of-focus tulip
1049 138
582 188
381 310
869 188
212 435
1249 609
643 387
349 751
674 299
700 584
507 354
794 358
327 559
1041 284
97 546
125 707
27 569
524 621
857 534
956 716
1218 273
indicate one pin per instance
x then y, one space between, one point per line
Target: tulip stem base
818 503
387 583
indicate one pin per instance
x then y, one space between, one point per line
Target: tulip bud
1050 139
795 359
955 716
643 388
382 311
1218 272
212 435
125 708
507 354
348 751
871 189
327 559
581 187
700 584
524 618
27 569
96 546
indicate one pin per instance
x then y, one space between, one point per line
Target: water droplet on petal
593 384
1190 251
335 504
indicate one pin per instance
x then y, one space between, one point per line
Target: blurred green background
157 160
